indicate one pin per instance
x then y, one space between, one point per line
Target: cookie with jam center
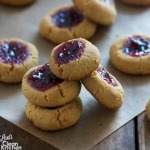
74 60
57 118
131 54
100 11
66 23
16 58
44 89
105 88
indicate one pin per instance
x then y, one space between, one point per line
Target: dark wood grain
143 132
122 139
23 138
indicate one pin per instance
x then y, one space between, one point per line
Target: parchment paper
96 122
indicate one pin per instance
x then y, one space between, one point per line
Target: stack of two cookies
52 89
52 102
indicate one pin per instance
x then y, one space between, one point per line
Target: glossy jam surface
67 18
103 73
137 46
69 51
13 52
42 78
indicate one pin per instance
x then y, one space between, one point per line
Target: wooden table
132 136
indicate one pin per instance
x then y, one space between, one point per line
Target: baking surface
96 122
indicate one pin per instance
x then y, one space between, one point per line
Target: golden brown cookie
100 11
105 88
16 58
148 110
66 23
131 54
74 60
44 89
16 2
137 2
50 119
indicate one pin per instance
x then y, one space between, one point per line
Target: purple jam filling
67 18
69 51
42 78
137 46
13 52
103 73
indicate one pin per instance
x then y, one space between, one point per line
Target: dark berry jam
13 52
137 46
67 18
103 73
42 78
69 51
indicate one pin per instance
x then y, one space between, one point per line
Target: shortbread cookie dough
66 23
100 11
105 88
148 110
137 2
74 60
131 54
44 89
57 118
16 2
16 58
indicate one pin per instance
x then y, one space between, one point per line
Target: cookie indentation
137 46
42 78
13 52
102 72
67 18
69 51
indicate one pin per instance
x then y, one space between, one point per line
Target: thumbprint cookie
66 23
105 88
16 58
100 11
44 89
74 60
131 54
56 118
